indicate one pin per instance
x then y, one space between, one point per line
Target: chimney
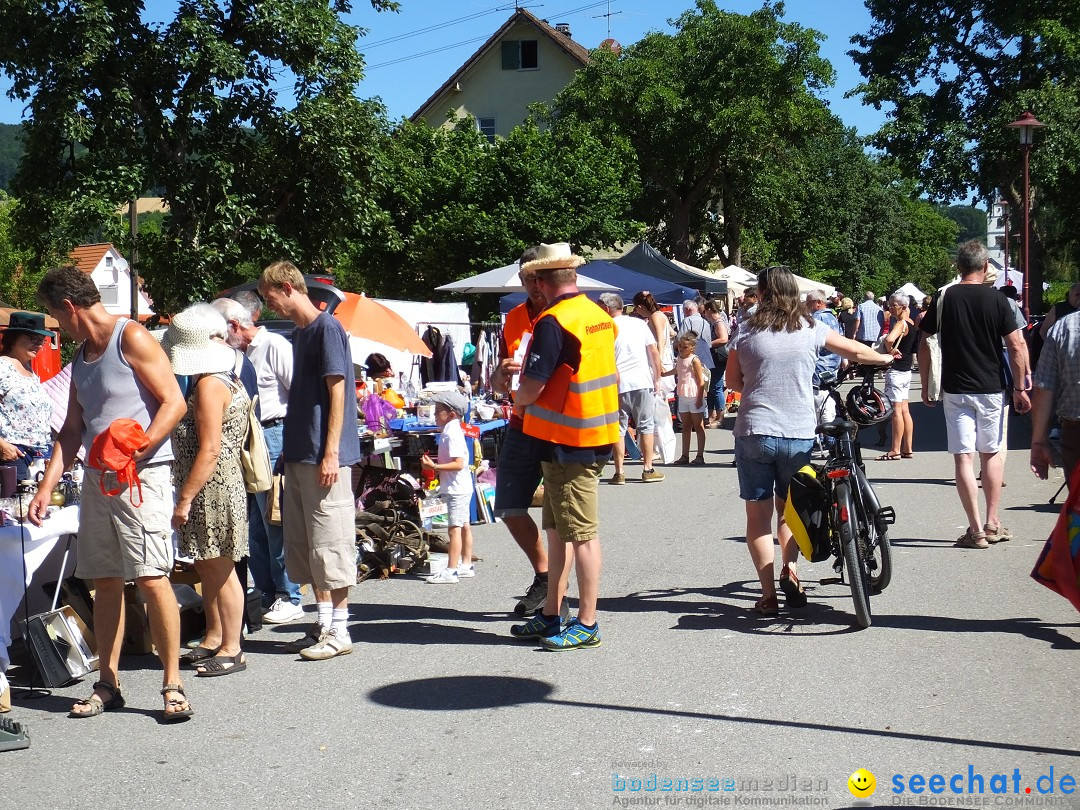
564 29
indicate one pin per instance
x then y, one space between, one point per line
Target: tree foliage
457 205
970 220
710 111
196 107
953 74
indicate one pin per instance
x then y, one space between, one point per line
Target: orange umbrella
365 317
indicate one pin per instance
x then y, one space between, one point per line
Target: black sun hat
31 322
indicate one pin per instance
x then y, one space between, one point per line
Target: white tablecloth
40 541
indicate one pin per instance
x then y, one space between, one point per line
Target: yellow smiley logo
861 783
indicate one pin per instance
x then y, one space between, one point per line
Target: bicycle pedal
886 516
13 735
831 580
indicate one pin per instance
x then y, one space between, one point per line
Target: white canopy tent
505 280
913 291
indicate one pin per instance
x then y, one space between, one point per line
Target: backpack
807 514
112 450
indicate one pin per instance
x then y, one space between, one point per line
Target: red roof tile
88 257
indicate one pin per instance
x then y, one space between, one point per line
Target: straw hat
189 346
553 257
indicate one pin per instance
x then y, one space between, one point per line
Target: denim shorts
518 473
766 463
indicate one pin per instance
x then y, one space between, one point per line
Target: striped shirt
1059 366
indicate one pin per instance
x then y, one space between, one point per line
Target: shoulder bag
254 457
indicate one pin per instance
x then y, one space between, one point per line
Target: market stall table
40 541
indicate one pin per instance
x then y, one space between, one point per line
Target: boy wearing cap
455 485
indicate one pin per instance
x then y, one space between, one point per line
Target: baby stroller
390 538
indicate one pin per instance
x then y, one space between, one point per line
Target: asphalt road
970 668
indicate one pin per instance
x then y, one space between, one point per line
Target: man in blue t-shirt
319 445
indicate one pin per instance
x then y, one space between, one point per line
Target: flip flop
221 665
889 457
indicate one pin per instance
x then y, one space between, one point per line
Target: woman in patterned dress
211 502
25 408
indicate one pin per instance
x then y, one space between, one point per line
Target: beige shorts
320 528
117 539
572 500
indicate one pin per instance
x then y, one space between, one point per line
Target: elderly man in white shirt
271 354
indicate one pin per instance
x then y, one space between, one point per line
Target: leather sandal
767 606
996 534
176 714
96 704
794 593
970 539
198 654
221 665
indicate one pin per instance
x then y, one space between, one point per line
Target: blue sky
404 86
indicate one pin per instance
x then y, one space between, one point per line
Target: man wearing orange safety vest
569 398
518 471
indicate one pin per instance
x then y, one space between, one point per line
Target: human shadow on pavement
730 607
479 692
1029 626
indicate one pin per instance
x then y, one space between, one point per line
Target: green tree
196 107
457 205
970 220
18 282
711 112
954 74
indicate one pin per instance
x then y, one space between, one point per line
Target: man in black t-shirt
972 319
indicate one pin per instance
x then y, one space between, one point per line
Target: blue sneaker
574 636
539 626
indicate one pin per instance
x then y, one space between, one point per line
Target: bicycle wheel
853 559
881 576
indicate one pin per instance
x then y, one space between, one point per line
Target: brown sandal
96 704
767 606
176 713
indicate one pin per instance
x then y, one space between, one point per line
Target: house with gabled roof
112 276
524 62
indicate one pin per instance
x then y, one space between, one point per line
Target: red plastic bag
113 449
1058 567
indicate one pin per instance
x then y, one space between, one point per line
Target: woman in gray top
772 365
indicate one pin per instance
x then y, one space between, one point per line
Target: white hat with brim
190 348
553 257
451 399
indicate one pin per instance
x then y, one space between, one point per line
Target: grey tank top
108 389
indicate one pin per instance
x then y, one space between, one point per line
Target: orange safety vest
580 408
517 324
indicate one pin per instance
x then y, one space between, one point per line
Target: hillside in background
10 150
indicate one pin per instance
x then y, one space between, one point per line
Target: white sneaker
283 612
330 645
465 571
444 577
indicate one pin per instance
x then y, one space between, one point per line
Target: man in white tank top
120 371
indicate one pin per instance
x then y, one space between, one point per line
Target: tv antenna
608 17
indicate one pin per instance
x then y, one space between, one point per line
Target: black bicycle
858 523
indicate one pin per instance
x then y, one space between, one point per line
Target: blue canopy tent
627 281
644 258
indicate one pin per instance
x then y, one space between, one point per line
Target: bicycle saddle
837 427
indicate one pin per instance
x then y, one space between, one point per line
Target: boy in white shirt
455 485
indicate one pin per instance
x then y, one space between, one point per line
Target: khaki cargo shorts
320 528
118 539
572 500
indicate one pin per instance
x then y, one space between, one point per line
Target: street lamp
1026 124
